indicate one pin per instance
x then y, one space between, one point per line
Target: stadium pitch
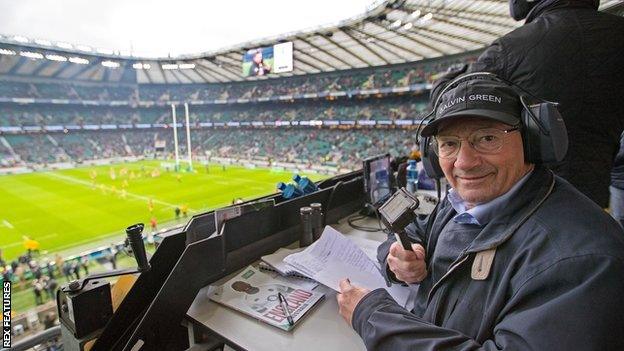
68 208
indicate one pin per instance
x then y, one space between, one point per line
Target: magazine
256 294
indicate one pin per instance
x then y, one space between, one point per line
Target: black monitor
377 179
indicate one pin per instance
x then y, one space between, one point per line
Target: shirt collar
481 214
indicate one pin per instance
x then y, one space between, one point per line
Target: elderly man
568 51
514 258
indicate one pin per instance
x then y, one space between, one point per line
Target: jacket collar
526 201
547 5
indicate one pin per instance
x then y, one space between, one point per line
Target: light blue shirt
481 214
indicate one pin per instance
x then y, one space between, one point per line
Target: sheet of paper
334 257
368 246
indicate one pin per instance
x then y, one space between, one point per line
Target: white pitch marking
7 224
90 185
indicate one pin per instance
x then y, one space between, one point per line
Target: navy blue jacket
617 173
556 281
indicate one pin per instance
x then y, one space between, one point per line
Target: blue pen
284 304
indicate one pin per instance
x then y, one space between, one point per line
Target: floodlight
31 55
110 64
169 66
79 60
186 66
58 58
6 52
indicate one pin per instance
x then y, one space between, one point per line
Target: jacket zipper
453 266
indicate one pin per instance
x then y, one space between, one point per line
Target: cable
351 221
331 195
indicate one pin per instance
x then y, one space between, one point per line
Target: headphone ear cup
430 161
545 140
528 137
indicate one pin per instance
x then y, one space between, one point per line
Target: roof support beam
237 74
443 41
182 73
206 77
327 53
162 72
369 49
461 14
469 27
298 55
145 73
438 9
41 67
86 67
18 63
404 36
379 41
106 74
222 77
347 50
412 39
454 36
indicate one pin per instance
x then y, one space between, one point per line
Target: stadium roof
391 32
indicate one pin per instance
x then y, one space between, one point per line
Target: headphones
544 135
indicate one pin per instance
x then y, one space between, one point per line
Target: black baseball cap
484 98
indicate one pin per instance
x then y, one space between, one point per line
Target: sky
158 28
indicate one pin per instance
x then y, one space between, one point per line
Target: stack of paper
334 257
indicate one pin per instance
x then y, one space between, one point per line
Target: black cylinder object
306 237
317 220
138 248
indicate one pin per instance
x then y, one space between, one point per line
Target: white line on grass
7 224
37 239
90 186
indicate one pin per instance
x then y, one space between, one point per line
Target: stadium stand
57 113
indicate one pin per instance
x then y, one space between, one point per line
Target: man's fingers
345 285
395 248
419 251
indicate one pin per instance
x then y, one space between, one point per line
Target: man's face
478 177
257 57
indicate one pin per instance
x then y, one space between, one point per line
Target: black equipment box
87 310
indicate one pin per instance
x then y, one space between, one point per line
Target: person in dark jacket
570 53
616 202
513 258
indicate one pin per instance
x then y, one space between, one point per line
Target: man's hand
407 265
348 298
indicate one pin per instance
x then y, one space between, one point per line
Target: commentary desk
322 329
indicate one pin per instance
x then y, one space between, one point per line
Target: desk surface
323 328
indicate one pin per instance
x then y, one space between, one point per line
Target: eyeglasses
485 141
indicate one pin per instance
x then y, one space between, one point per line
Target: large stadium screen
270 59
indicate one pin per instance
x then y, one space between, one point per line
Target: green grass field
68 208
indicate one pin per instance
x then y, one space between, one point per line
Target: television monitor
269 59
377 179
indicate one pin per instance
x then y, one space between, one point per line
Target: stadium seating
313 146
336 146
